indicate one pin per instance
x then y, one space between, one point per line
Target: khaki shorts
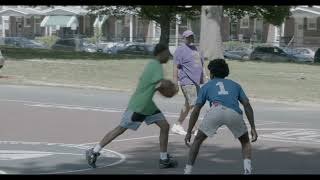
190 94
219 115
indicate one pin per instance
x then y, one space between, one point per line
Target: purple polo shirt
190 64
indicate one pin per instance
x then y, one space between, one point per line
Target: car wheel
245 57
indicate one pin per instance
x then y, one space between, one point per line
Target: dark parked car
1 60
137 49
240 53
317 56
115 47
74 44
271 54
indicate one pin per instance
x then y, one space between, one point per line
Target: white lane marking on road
115 110
294 135
104 109
287 141
129 139
121 156
14 155
98 109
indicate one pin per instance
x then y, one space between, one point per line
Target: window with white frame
244 22
312 23
27 21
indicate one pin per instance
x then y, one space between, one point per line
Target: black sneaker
92 157
168 163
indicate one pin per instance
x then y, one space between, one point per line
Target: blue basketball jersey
223 91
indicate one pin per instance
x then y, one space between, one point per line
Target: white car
306 52
1 60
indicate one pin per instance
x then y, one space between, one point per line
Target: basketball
168 88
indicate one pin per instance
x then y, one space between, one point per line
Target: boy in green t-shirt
142 108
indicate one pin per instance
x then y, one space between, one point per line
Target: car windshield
302 51
150 47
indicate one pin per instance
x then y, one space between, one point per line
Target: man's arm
205 76
249 113
175 73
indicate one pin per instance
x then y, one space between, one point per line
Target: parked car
74 44
317 56
102 45
23 43
33 44
137 49
240 53
88 47
302 54
1 60
115 47
271 53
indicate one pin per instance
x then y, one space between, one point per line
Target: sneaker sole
170 166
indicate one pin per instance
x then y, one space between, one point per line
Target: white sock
247 166
188 169
163 155
97 148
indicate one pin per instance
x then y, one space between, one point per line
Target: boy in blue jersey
224 96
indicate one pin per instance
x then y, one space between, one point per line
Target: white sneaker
187 172
178 129
247 171
247 167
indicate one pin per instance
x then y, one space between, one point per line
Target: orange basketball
168 88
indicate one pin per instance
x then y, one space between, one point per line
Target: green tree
164 15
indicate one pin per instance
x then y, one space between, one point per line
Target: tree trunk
211 37
165 30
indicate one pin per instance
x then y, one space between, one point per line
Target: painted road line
104 109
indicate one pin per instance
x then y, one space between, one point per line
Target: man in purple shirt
189 71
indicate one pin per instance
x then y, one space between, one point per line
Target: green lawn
262 80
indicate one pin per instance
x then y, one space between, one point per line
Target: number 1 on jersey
222 90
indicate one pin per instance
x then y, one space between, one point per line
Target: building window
233 28
244 22
312 23
27 21
37 19
19 19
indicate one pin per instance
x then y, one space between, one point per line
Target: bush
47 40
25 53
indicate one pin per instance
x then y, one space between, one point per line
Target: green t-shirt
141 101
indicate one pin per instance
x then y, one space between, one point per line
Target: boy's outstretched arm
193 119
249 113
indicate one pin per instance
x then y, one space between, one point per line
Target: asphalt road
47 129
